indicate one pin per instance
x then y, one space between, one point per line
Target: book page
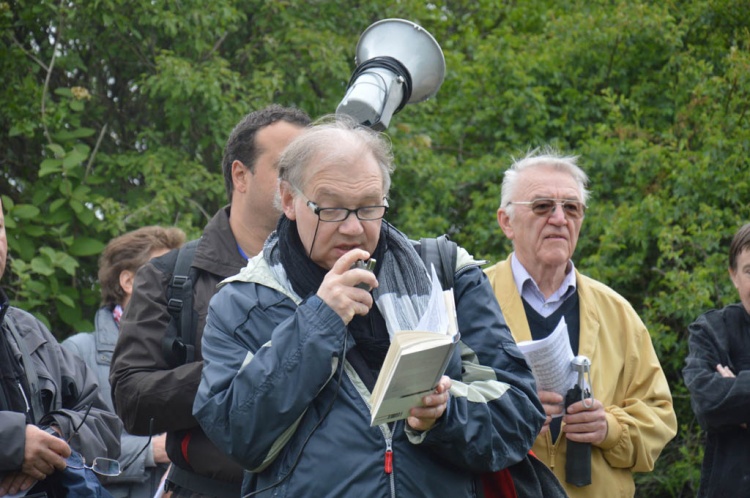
550 360
435 317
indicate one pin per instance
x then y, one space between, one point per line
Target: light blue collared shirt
529 290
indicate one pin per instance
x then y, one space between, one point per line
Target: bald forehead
344 149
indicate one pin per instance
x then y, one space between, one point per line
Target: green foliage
114 115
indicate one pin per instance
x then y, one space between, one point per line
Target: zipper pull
388 464
388 461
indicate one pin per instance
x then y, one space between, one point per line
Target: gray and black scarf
401 297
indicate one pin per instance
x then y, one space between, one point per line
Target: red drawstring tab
184 446
388 461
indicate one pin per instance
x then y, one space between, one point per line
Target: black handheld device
368 265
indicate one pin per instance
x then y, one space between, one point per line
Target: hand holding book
416 361
422 418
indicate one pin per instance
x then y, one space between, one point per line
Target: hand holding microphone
346 287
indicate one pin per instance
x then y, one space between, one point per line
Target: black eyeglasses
546 206
364 213
100 465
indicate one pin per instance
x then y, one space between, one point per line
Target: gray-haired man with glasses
294 343
46 393
542 207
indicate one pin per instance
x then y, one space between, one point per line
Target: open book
550 360
416 359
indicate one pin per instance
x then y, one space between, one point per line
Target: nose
557 217
351 224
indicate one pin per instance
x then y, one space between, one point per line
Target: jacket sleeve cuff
414 436
614 432
12 440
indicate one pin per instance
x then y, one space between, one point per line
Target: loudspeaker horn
398 63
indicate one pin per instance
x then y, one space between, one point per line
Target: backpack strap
443 253
179 342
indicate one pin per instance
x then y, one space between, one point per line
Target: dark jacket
140 477
144 386
285 410
722 405
66 387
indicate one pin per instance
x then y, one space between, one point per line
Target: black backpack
179 343
441 252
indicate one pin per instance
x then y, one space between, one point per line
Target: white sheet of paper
550 360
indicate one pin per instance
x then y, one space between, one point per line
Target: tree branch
49 72
216 46
31 55
96 149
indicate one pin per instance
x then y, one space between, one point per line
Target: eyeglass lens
106 467
572 209
365 213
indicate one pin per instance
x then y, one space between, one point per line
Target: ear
126 281
240 175
504 221
287 200
735 280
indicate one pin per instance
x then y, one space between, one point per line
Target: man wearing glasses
49 401
293 346
153 393
543 202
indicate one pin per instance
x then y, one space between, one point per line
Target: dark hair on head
130 251
241 145
740 242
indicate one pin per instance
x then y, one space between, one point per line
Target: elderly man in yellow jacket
631 419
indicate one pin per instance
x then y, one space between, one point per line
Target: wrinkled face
351 184
548 241
741 278
3 241
262 183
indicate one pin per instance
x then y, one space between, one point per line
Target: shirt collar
524 280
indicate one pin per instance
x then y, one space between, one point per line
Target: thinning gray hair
333 139
547 157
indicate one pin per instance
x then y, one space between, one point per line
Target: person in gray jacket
49 401
292 346
142 468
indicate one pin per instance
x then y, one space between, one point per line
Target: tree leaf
86 246
25 211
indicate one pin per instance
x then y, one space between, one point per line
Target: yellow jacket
626 377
